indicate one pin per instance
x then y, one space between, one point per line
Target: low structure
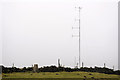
35 68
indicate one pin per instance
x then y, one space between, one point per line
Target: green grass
0 76
58 75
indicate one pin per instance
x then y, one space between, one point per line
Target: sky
40 31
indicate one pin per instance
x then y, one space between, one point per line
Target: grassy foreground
59 75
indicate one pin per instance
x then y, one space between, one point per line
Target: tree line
59 69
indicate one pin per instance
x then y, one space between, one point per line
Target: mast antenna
79 8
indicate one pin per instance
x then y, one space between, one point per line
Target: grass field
59 75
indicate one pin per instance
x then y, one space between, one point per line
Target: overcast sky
40 31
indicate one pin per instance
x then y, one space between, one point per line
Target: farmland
58 75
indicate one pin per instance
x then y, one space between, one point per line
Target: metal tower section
79 8
79 36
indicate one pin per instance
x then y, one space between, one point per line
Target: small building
35 68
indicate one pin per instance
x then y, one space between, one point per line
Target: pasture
83 75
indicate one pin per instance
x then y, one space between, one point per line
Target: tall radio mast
79 8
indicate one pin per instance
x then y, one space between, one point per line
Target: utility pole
79 8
